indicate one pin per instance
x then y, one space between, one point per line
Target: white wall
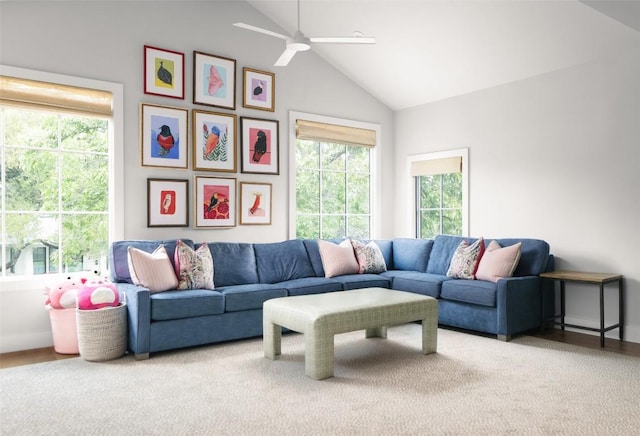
555 157
104 41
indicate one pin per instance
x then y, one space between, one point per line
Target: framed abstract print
214 80
255 203
167 203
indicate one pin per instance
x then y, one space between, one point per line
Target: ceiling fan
299 42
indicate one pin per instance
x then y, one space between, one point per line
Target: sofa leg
504 338
141 356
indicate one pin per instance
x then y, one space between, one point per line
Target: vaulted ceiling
434 49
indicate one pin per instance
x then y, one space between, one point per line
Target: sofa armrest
518 303
138 315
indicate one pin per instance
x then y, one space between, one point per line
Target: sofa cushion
152 270
498 262
444 246
311 285
534 256
464 262
251 296
194 268
411 254
278 262
369 257
338 259
479 292
359 281
311 245
233 263
186 304
418 282
386 248
118 255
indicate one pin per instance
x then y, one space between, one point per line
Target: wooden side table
594 278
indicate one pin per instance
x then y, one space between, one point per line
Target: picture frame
258 89
214 80
163 72
255 203
214 141
215 202
260 149
167 203
164 136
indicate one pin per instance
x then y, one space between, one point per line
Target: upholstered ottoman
321 316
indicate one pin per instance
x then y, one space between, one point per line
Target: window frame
374 185
116 163
463 153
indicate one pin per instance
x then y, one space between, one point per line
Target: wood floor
8 360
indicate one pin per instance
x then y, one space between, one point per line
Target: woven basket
102 333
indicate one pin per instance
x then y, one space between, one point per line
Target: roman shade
334 133
54 97
434 167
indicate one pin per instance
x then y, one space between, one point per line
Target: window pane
31 179
429 192
452 222
333 156
85 185
358 193
452 190
39 255
26 128
307 154
333 192
307 191
333 227
86 134
307 226
358 227
85 238
358 159
429 224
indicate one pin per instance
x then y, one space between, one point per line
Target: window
440 199
333 170
56 173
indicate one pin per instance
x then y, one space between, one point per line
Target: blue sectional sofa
246 275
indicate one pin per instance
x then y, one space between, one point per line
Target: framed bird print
215 202
260 152
214 80
255 203
163 72
214 141
259 89
164 136
167 203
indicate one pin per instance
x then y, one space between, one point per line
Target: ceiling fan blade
260 30
285 57
345 40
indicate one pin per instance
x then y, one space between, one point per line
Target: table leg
376 332
272 340
621 309
602 314
430 335
318 355
562 304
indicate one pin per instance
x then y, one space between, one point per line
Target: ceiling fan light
298 46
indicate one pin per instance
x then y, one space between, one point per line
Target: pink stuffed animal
98 293
65 294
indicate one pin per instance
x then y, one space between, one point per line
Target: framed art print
167 203
163 72
164 136
214 141
255 203
214 80
259 89
260 153
215 202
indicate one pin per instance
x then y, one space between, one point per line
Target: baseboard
631 333
11 343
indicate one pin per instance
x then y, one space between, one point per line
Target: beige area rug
472 386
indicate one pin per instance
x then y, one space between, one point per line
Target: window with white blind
57 168
333 174
440 186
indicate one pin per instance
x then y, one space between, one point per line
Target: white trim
461 152
375 165
116 133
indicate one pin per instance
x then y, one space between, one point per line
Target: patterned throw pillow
369 257
194 268
338 260
498 262
465 260
152 270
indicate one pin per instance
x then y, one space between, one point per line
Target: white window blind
434 167
336 134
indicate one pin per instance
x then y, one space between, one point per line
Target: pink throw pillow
338 260
498 262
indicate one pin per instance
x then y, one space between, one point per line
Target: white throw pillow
498 262
152 270
338 260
